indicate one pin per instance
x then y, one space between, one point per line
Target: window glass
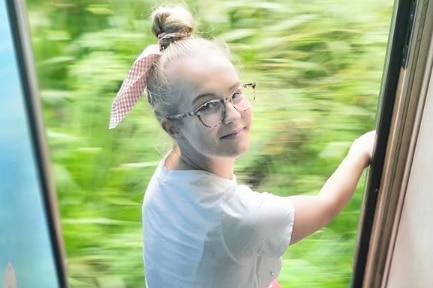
26 255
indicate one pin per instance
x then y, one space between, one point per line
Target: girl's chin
242 149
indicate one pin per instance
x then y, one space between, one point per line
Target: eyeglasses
212 112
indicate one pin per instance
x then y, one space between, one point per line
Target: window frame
407 72
20 32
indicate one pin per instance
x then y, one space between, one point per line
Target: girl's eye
237 96
210 107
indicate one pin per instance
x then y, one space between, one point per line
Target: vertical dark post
399 39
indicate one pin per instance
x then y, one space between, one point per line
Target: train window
394 246
83 65
30 245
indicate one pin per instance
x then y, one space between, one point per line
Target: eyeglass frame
223 101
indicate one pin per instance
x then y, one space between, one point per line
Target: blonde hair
178 25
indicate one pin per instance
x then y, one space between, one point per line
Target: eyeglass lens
213 112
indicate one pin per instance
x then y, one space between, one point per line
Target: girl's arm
315 211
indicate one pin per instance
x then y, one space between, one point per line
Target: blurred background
318 67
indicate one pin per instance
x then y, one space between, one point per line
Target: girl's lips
234 134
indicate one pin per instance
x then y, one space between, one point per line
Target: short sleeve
256 223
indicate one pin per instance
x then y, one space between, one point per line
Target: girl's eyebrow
201 96
232 89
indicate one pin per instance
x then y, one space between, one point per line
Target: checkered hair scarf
134 85
136 81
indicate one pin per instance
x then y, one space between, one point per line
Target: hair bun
172 20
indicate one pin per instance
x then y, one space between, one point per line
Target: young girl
201 228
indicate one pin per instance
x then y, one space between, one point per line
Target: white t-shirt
204 231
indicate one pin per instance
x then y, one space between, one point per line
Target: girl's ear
171 128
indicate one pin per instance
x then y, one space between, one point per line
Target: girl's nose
231 113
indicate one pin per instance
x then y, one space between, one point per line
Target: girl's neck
223 167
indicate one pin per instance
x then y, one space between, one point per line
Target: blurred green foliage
318 66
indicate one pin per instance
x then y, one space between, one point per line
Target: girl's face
204 78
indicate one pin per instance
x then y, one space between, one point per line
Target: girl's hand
363 147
